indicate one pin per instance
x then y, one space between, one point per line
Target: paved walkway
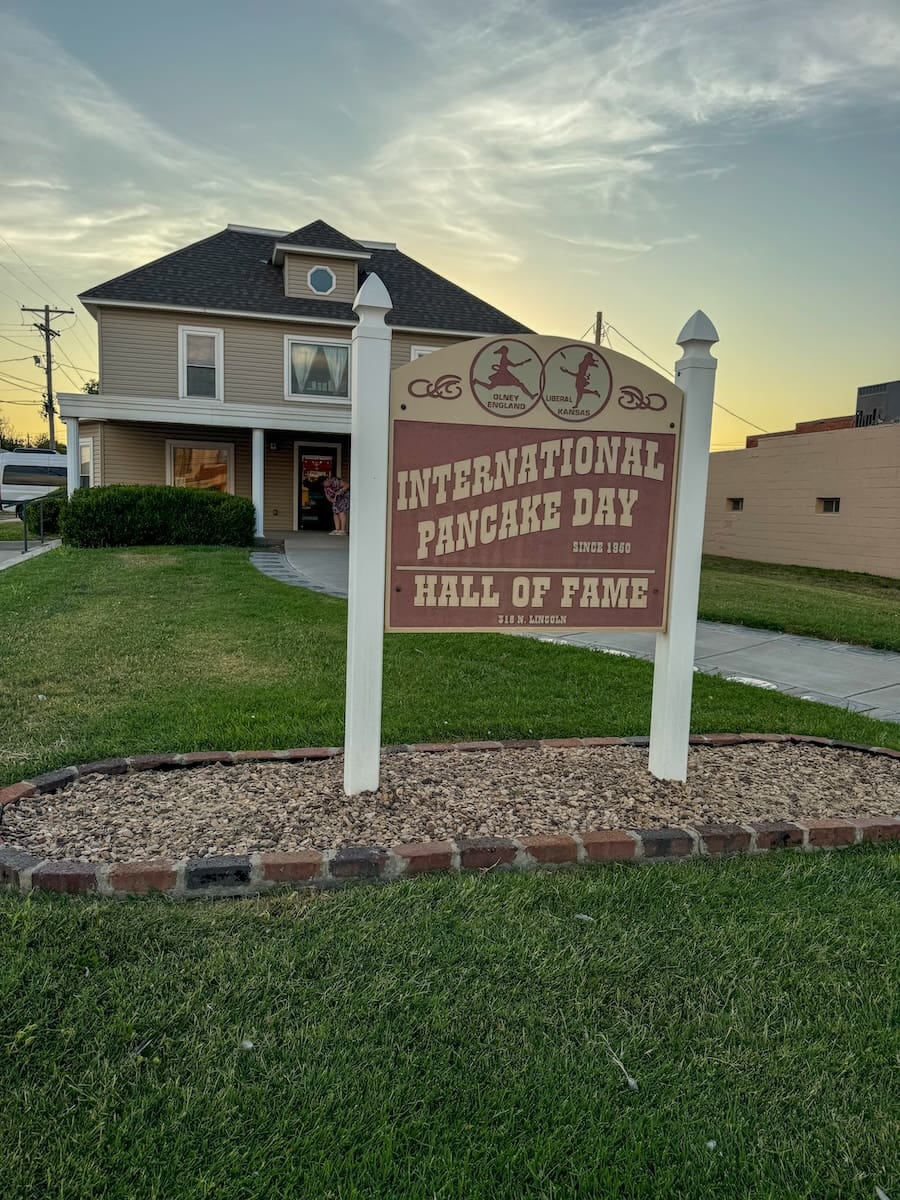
11 552
851 677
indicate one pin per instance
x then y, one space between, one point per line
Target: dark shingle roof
321 236
233 271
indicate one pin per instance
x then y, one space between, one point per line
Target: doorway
315 462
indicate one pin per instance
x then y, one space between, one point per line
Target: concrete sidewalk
11 552
851 677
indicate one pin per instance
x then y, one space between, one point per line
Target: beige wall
780 481
139 353
298 266
402 344
133 452
94 431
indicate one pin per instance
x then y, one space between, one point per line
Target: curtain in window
336 357
302 359
318 370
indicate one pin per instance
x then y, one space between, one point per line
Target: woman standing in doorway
337 492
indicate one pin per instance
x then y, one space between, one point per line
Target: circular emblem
506 378
577 382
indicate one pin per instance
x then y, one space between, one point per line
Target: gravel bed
293 806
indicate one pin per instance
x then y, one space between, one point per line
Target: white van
29 474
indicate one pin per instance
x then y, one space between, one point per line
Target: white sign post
370 383
673 672
370 358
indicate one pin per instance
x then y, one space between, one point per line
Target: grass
106 652
840 606
11 531
450 1038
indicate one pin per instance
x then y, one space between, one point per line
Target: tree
92 387
8 437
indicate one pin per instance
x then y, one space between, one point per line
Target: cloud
494 120
536 106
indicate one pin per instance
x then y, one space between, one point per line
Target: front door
315 465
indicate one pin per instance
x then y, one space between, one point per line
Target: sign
531 483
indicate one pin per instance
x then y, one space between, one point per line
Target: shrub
150 515
54 504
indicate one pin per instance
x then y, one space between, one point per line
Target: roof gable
319 235
232 272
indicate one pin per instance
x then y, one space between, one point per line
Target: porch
281 470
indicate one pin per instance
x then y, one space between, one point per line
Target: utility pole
598 329
45 327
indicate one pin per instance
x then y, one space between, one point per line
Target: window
828 504
86 463
205 465
200 363
736 503
317 368
34 475
321 280
420 352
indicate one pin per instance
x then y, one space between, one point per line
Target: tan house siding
135 452
402 344
139 353
780 480
298 266
94 431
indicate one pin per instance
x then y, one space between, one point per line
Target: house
226 364
826 494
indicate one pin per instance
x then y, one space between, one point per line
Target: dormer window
321 280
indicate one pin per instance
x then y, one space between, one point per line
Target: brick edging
250 874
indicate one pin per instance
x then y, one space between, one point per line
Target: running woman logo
506 378
577 382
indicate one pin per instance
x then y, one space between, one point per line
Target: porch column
73 457
257 477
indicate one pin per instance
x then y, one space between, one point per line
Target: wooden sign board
531 483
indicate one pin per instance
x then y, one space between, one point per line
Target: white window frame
199 444
89 442
420 351
205 331
321 267
289 340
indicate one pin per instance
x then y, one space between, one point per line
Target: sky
556 157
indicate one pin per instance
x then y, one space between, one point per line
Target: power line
17 278
40 278
665 370
736 416
24 345
17 378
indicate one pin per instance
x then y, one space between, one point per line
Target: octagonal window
321 280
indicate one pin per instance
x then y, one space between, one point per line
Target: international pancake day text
587 511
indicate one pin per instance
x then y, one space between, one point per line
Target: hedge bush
54 503
148 515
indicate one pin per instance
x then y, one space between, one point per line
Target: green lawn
190 649
841 606
450 1038
11 531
